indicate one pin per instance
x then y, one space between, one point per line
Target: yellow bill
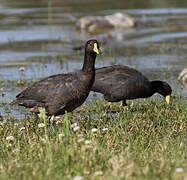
167 98
95 49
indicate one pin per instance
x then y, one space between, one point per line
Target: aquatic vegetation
21 82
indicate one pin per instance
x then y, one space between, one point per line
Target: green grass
145 141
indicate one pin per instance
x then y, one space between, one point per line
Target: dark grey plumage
62 92
119 83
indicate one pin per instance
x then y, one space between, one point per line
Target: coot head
92 47
164 89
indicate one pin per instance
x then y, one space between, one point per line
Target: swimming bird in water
121 83
62 92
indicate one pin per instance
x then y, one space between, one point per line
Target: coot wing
113 77
55 93
42 89
120 82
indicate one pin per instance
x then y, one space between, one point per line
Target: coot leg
124 102
52 121
109 107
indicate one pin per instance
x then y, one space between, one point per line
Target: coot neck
89 62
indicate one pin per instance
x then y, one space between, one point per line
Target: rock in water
183 77
100 23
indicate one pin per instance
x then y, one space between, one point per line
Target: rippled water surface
40 36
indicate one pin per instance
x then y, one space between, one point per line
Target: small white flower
78 178
61 135
9 138
80 135
80 140
104 129
22 128
41 125
98 173
87 142
86 172
76 128
15 150
94 130
56 117
179 170
74 125
69 176
43 139
16 124
9 145
22 69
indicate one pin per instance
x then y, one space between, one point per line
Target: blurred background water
40 36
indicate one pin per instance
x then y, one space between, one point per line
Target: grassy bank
144 141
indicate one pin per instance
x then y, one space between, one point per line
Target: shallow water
40 37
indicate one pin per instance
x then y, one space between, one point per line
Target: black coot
120 83
62 92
